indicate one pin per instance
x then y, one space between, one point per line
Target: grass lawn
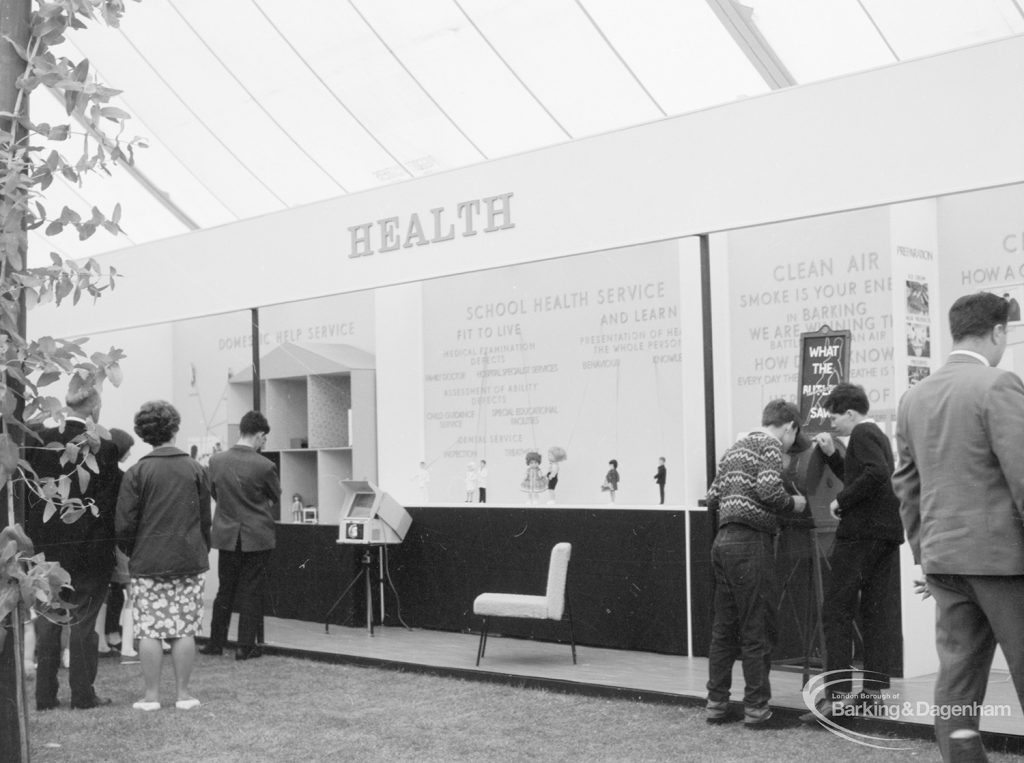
286 709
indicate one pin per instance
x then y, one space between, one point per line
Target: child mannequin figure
611 479
471 482
556 455
534 483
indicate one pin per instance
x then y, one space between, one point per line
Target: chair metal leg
572 634
483 641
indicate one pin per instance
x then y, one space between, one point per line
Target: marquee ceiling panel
254 106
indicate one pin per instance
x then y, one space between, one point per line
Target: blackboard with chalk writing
824 363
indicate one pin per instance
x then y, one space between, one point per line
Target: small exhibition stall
632 296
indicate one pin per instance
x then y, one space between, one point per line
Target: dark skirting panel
308 572
627 576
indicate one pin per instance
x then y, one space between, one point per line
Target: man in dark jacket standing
865 556
84 547
248 493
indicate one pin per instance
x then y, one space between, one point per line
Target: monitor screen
362 504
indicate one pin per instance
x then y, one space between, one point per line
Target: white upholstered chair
551 606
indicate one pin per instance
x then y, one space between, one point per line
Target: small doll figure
534 483
611 479
471 482
556 455
296 508
422 480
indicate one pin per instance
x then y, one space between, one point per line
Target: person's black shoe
249 654
758 718
211 649
91 703
719 712
48 705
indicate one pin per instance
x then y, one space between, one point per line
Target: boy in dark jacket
865 556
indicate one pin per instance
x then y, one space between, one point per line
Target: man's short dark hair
83 398
846 397
975 315
252 423
779 413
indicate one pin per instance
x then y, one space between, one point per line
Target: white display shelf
320 402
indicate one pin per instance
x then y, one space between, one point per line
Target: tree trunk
14 24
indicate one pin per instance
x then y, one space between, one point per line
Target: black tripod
812 635
365 572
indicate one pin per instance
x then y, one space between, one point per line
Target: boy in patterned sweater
748 496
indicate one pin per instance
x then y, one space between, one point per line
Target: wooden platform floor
611 672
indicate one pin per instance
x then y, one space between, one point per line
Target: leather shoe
47 705
249 654
89 704
211 649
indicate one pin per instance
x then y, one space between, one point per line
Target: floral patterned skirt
167 607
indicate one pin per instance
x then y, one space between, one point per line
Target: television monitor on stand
369 516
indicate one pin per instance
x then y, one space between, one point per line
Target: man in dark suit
248 494
960 436
83 547
865 560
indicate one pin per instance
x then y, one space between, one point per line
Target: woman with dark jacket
163 525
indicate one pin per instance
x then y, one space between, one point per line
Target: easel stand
809 593
365 572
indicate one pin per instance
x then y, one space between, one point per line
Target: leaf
114 114
60 132
71 515
64 288
84 477
22 52
70 456
54 228
81 73
48 377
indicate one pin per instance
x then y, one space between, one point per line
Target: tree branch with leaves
32 157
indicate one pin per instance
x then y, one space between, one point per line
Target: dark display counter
627 578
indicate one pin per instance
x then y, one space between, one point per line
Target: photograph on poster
1012 293
919 340
916 374
917 298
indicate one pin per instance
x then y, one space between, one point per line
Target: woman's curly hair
157 422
